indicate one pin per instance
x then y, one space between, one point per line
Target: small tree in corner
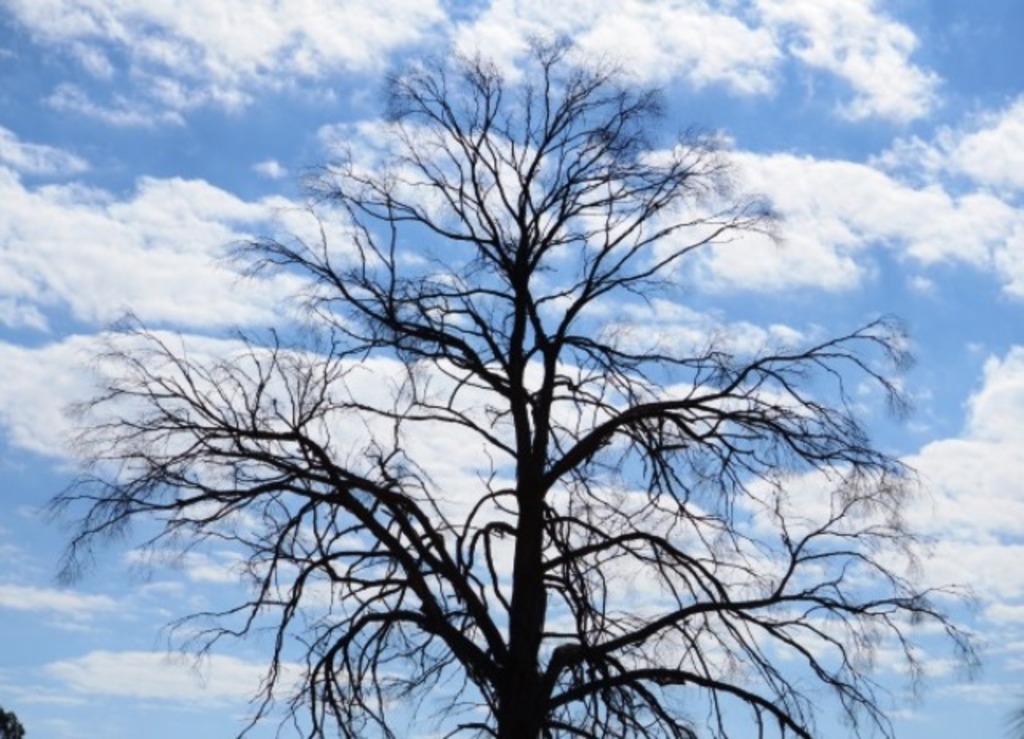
10 727
661 532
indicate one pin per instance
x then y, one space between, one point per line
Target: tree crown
650 519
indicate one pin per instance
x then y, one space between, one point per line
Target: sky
140 138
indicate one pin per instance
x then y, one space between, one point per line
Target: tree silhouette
10 727
660 531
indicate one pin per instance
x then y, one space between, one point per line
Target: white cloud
93 59
18 314
1002 391
836 211
30 158
921 285
36 385
976 508
989 150
661 324
656 41
270 168
154 253
216 679
189 53
994 153
121 112
717 43
67 603
222 568
861 46
996 696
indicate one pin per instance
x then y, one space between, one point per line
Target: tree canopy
657 530
10 727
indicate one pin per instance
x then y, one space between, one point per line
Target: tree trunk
521 709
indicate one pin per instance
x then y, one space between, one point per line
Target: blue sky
139 137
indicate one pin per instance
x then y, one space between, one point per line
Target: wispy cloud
120 112
158 676
69 603
37 159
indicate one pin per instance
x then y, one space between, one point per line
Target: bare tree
660 532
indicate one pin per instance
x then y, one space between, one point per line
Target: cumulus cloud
83 249
836 211
657 41
993 153
182 55
988 150
978 472
974 512
36 385
224 54
716 43
861 46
